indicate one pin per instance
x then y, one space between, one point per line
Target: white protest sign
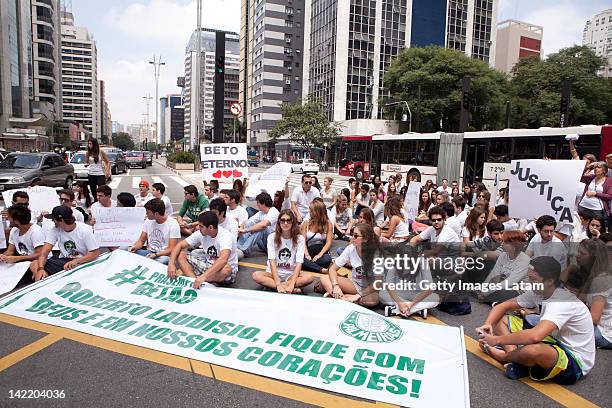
118 226
11 274
544 187
411 203
41 198
251 189
224 161
495 192
329 344
271 180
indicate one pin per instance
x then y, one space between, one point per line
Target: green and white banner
324 343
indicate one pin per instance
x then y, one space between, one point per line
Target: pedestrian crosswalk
131 182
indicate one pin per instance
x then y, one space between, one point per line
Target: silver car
18 170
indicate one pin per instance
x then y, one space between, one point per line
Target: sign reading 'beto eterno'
224 161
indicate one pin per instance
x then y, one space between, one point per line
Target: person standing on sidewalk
98 166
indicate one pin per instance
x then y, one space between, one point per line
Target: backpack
456 305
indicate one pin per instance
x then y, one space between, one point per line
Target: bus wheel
415 173
359 174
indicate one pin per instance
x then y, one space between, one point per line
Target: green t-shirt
192 209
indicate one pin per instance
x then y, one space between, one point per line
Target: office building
171 118
272 59
207 76
597 34
80 100
516 40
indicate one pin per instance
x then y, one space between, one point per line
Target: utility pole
196 99
157 68
147 99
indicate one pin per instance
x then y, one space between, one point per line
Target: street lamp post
409 112
157 68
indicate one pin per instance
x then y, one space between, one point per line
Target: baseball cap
60 213
143 183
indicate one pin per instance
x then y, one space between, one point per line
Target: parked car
305 166
18 170
149 157
117 161
136 159
78 163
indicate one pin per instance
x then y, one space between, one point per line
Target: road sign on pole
236 109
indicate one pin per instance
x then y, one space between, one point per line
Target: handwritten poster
224 161
118 226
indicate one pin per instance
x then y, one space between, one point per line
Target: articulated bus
482 154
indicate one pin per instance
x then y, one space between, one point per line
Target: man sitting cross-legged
215 262
559 346
161 233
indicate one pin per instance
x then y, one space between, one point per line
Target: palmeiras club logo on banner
370 328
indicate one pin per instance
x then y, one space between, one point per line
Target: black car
117 161
18 170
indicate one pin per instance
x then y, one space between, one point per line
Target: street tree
123 141
306 124
440 72
536 86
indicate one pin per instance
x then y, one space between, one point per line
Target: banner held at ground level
11 274
324 343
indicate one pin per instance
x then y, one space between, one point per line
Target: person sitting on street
160 232
254 233
104 196
143 195
302 197
340 216
193 205
126 200
75 240
210 191
286 247
560 347
219 207
158 190
234 210
215 261
318 231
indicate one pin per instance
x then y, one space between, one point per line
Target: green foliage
305 124
439 72
123 141
536 86
181 157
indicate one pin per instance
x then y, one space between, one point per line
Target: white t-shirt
341 219
74 244
27 243
97 205
511 225
239 214
303 199
349 255
328 198
286 256
141 201
573 321
159 235
168 204
602 286
231 225
448 189
447 234
554 248
462 217
455 224
593 203
465 233
379 212
213 246
271 217
512 270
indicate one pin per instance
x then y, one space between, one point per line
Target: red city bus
355 156
481 153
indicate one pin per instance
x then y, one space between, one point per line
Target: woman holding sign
597 191
98 166
285 257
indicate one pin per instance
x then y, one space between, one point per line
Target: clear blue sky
129 32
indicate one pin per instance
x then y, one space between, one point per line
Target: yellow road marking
27 351
341 271
229 375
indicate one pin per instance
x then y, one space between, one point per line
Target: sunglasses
357 236
22 204
436 219
285 221
481 196
306 182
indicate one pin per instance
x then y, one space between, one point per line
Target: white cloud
155 27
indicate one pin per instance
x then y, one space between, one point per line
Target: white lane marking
135 181
115 182
180 181
159 180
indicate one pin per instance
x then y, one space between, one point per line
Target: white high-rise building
207 77
597 35
80 100
349 45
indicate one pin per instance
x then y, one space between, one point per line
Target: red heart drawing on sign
227 173
237 173
217 174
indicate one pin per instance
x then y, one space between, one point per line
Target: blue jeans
322 262
161 259
251 211
251 240
600 341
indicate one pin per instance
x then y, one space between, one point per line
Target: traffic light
465 100
220 64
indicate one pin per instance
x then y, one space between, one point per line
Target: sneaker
326 294
391 311
424 313
516 371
